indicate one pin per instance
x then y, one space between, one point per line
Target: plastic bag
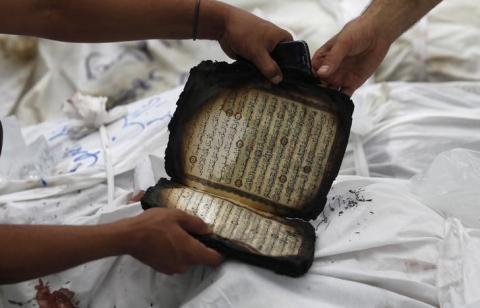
450 186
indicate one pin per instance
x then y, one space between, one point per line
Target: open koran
254 160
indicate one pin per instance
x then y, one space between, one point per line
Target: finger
211 257
334 81
268 67
180 269
193 224
285 37
276 35
228 51
321 52
332 59
201 254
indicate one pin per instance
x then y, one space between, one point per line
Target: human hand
253 39
161 238
348 59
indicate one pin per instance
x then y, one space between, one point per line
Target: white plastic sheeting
399 128
443 46
421 258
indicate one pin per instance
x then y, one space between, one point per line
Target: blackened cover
255 160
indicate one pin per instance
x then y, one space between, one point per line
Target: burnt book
255 160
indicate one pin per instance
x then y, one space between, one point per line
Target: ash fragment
358 195
323 220
342 203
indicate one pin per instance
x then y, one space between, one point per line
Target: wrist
118 237
391 18
212 19
378 28
129 235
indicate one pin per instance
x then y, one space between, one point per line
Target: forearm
111 20
29 252
393 17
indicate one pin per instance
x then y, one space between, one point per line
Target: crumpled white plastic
458 266
20 161
89 113
451 186
399 128
81 163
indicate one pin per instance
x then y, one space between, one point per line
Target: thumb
331 60
193 224
268 67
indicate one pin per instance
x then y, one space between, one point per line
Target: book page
265 146
257 233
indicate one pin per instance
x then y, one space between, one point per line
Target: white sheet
420 259
443 46
409 263
399 128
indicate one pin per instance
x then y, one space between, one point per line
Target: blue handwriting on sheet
63 132
97 63
80 155
136 117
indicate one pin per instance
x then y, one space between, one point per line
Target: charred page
255 160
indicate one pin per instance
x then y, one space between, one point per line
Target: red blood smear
62 298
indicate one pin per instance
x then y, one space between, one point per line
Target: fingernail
323 70
210 228
277 79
